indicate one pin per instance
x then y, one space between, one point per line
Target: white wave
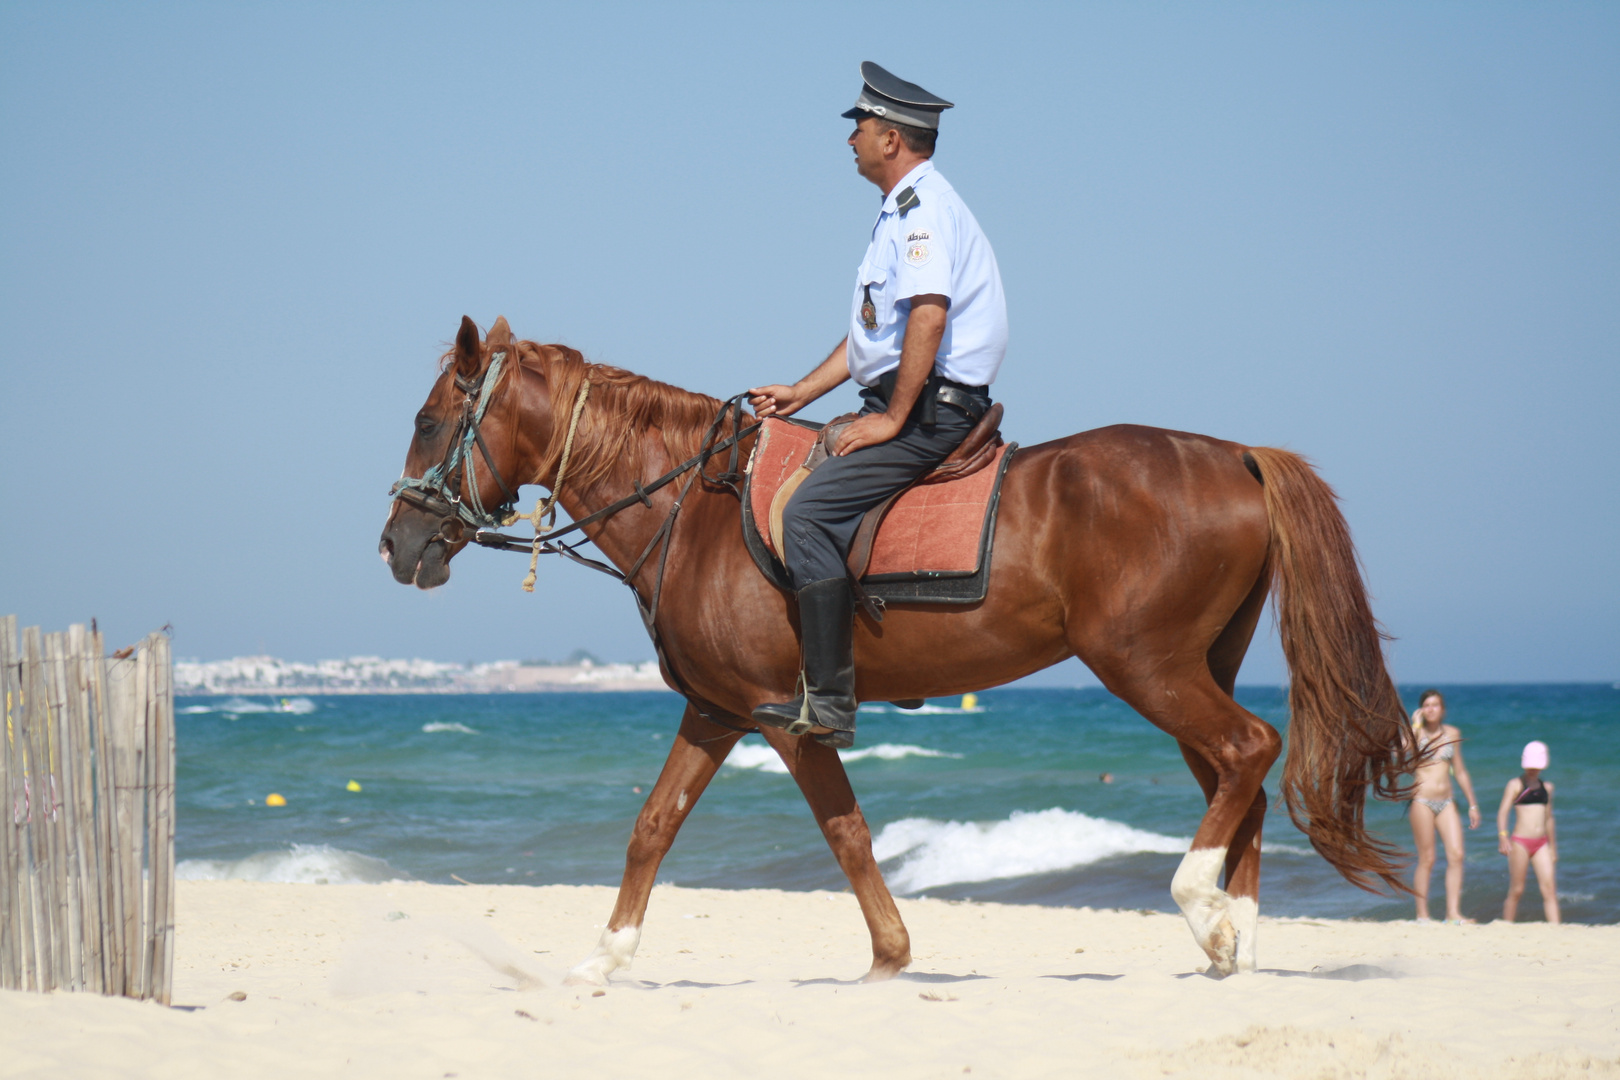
893 752
308 864
750 755
192 710
925 710
298 706
445 725
945 852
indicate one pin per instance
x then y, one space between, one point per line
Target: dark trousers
819 522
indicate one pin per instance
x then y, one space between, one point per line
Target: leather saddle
974 452
929 544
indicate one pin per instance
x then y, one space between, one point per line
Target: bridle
435 491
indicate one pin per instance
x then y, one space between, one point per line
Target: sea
1002 800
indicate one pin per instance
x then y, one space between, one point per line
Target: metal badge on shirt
869 311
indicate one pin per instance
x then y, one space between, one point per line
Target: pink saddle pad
932 528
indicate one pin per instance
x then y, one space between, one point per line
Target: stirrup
781 715
806 723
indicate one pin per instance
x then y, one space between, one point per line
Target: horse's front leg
820 775
700 748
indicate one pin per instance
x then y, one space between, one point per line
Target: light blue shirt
937 247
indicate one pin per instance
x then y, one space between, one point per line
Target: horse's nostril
386 550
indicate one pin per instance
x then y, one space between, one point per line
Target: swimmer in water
1534 840
1432 809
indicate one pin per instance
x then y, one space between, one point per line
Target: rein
550 544
435 492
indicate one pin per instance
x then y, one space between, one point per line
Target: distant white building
374 675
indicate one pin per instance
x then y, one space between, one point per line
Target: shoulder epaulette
907 201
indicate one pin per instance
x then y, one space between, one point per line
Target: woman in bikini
1431 810
1533 842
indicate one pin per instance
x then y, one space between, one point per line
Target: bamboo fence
87 822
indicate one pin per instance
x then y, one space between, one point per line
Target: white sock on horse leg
1206 906
615 950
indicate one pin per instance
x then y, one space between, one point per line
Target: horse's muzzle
416 555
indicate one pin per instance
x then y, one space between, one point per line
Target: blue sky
234 240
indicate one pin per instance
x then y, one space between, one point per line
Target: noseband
436 490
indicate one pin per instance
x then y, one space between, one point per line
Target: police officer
928 330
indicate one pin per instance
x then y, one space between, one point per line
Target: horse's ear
500 335
469 350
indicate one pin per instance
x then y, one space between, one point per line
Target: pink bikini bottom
1531 844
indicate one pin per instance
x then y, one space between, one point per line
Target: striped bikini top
1445 753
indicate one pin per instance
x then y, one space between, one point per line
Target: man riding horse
928 330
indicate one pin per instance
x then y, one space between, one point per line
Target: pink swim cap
1535 755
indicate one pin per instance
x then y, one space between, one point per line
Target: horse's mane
621 407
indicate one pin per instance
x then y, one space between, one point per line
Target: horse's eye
425 425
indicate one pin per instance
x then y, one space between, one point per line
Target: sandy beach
433 981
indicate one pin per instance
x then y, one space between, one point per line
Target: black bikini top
1532 796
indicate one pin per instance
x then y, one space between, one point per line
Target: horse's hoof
882 973
884 970
586 974
1222 949
575 979
616 949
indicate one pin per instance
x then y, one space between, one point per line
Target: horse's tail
1346 729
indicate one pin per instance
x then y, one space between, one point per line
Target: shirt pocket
873 282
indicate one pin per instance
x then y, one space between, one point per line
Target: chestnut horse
1147 553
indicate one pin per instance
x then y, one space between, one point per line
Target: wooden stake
106 866
65 854
64 868
125 842
84 808
18 816
162 854
11 965
40 795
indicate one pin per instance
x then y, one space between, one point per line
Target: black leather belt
973 400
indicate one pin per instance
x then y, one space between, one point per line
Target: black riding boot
827 622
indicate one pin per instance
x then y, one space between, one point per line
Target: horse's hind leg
1225 657
819 772
693 760
1242 861
1238 748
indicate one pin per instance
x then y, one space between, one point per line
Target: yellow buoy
970 701
354 785
273 799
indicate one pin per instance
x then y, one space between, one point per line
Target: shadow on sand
1351 973
904 976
